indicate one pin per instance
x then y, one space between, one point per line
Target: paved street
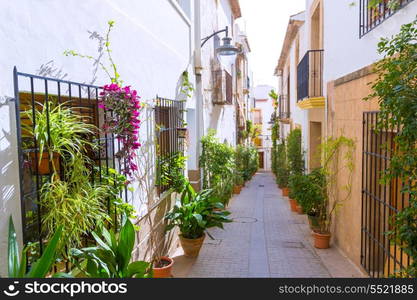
266 239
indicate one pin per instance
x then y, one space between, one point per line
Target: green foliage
77 208
112 255
308 191
59 130
41 267
282 172
391 4
218 163
170 171
195 212
113 183
247 162
295 153
396 90
337 157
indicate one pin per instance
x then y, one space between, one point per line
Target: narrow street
266 239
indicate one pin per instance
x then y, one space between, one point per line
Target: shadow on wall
9 187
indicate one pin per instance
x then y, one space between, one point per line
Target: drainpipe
198 82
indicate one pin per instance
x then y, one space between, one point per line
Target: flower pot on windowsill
293 205
321 240
191 247
44 167
182 132
285 191
163 268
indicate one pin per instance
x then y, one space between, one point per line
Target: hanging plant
121 106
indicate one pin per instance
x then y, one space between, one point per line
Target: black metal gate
380 257
31 91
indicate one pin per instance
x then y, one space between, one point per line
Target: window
257 116
168 120
371 17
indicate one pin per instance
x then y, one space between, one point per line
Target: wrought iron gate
380 257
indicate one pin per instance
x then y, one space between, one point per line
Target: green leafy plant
41 267
396 90
59 130
337 157
218 163
295 153
112 255
282 172
247 162
77 208
195 212
170 171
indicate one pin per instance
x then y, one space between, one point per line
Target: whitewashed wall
34 35
344 51
222 118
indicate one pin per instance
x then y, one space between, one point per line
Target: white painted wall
344 51
262 92
35 33
222 118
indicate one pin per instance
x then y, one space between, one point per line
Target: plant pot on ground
293 205
285 191
321 240
163 267
299 209
193 214
237 189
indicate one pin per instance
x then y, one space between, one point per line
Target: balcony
310 80
371 16
284 108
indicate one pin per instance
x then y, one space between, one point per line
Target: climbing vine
396 90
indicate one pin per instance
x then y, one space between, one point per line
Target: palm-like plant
195 212
111 257
17 263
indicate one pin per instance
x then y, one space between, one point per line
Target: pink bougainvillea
121 106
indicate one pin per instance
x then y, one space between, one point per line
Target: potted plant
193 214
295 183
282 168
59 132
331 184
111 258
239 182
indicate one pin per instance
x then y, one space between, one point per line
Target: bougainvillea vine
122 110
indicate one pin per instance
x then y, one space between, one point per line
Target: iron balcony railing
310 75
371 16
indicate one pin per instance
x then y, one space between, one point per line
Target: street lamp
225 49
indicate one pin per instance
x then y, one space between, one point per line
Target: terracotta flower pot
299 209
293 205
237 189
191 247
321 240
43 163
285 191
166 270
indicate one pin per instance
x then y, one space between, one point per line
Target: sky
266 24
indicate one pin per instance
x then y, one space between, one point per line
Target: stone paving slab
266 240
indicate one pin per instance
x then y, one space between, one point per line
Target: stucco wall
148 55
344 51
345 118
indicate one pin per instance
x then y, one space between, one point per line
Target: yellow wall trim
309 103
